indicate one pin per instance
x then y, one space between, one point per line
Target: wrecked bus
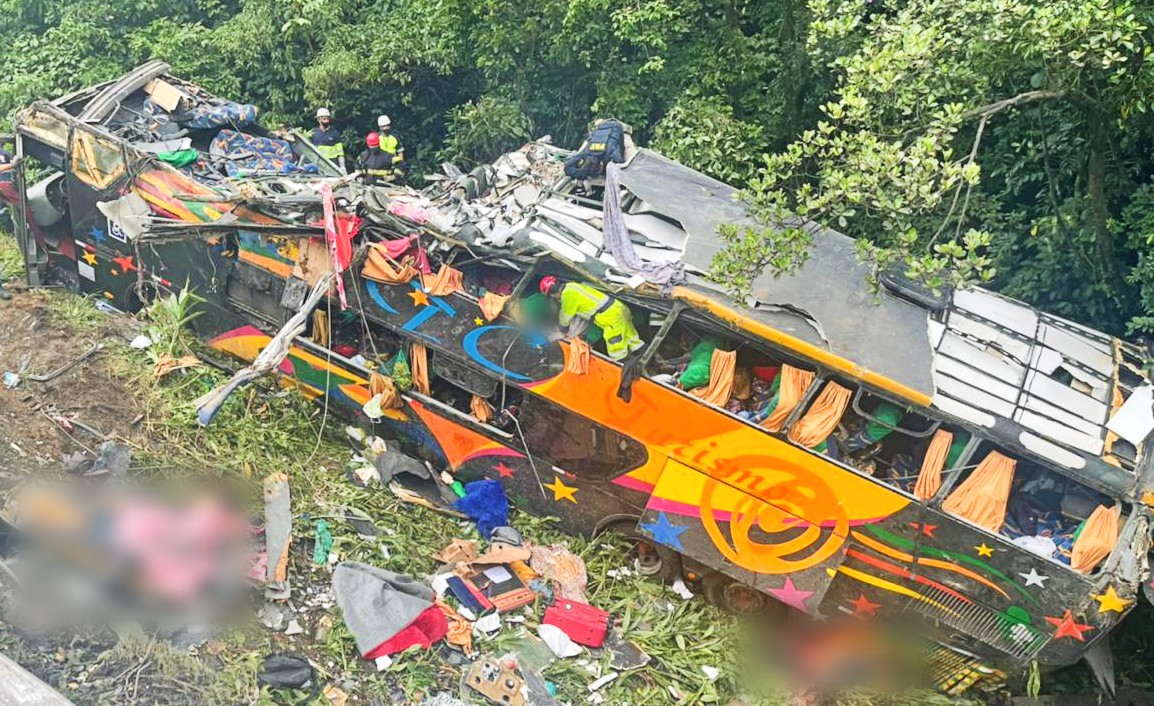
962 462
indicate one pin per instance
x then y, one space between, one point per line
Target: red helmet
373 140
548 282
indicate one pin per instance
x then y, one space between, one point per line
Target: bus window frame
935 424
1125 533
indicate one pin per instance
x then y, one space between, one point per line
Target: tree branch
1027 97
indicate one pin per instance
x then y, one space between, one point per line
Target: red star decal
927 530
863 606
126 263
503 471
1068 627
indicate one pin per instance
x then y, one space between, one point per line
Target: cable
328 380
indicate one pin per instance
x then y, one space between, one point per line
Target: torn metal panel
1016 317
1048 450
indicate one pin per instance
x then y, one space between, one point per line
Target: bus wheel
655 561
735 597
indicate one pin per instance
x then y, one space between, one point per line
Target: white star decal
1034 578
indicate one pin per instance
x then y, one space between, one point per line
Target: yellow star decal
479 321
88 257
419 298
1111 601
983 550
562 491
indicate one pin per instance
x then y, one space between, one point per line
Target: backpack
606 143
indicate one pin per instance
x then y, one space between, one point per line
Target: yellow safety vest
390 144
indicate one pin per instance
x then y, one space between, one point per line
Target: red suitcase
583 623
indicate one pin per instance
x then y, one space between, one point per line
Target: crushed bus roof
993 362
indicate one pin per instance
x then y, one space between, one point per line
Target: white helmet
323 113
383 121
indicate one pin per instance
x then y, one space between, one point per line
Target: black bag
606 143
289 671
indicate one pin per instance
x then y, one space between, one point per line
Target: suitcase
583 623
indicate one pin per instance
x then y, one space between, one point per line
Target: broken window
575 443
1036 508
97 161
46 127
736 375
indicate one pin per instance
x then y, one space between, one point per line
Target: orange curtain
481 409
794 383
930 477
383 385
380 268
419 365
321 328
578 361
1096 540
982 497
445 282
720 387
492 305
822 417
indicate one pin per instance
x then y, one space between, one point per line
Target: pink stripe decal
485 453
683 509
633 484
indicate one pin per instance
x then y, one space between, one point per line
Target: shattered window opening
1045 510
96 161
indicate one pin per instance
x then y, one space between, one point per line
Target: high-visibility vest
390 144
581 300
333 152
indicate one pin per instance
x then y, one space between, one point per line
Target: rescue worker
391 144
374 164
594 306
327 139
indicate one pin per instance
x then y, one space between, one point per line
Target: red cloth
345 350
339 231
766 372
429 627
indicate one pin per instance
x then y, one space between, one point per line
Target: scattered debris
11 380
558 641
323 542
278 532
681 589
140 342
583 623
497 681
711 673
599 683
486 504
293 628
385 611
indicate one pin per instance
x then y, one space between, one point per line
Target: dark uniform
375 166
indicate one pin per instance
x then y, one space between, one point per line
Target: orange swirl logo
765 534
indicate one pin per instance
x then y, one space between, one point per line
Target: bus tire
737 598
656 561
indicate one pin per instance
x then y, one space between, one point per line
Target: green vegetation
1002 142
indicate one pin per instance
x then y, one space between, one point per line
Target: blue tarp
210 116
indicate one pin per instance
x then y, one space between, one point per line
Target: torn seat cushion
244 152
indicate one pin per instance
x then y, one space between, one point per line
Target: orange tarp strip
822 417
446 281
720 387
379 268
492 304
1097 538
419 365
794 383
578 361
982 497
930 477
481 409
